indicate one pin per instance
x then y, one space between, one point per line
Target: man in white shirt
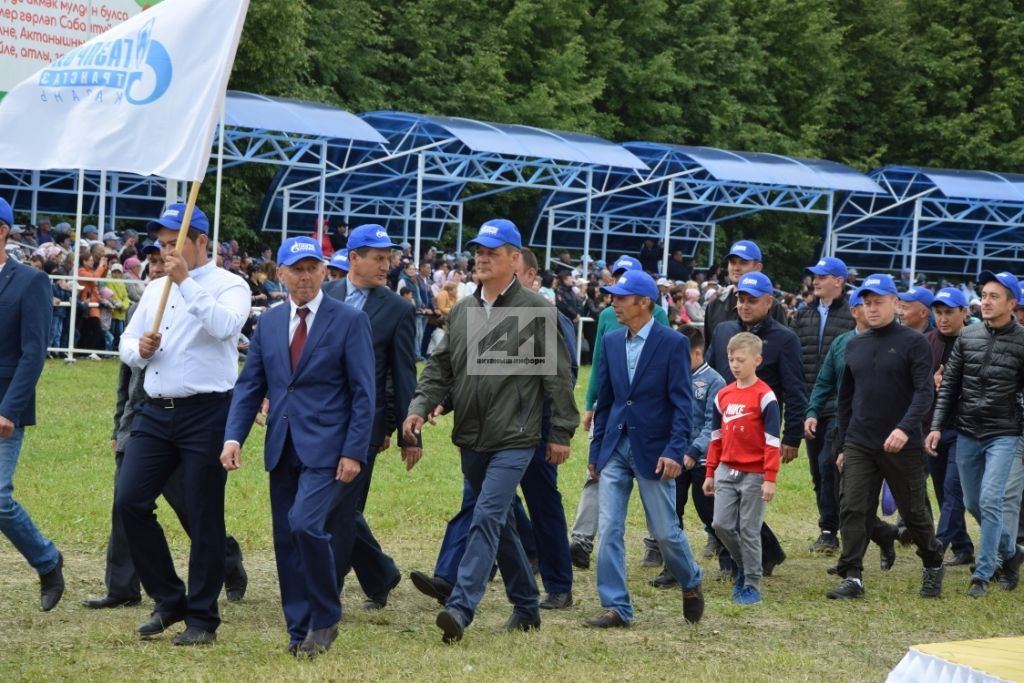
191 366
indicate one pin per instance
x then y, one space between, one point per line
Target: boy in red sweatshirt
742 463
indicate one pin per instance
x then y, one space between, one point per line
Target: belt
183 401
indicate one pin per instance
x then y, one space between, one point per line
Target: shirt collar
642 333
311 305
207 267
351 285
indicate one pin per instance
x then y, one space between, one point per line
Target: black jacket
887 384
806 323
978 395
780 369
723 308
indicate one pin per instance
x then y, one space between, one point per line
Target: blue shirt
355 296
822 319
634 347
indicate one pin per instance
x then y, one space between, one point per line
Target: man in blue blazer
313 359
393 325
642 419
25 310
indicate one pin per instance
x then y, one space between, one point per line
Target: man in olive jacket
978 398
497 423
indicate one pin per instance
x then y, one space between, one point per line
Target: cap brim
376 245
615 289
904 296
865 289
752 292
745 257
489 242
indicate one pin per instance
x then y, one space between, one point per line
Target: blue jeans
493 535
952 528
984 466
15 523
1012 497
659 501
56 332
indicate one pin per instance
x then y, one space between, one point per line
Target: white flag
141 98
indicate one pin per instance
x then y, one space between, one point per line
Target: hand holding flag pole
186 221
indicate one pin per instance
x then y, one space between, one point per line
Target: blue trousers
548 530
985 466
16 525
952 528
493 535
300 498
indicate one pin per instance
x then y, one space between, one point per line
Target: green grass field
64 480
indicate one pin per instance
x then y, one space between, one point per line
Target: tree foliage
864 82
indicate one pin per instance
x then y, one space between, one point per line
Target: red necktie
299 338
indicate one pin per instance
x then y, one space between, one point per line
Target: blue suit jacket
393 323
25 311
326 404
656 408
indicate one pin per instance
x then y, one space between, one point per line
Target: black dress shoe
110 602
609 619
664 580
693 604
451 626
318 641
516 622
833 570
193 635
557 601
236 584
158 623
380 600
1009 574
51 586
580 555
432 586
960 560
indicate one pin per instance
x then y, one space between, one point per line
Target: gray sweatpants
739 513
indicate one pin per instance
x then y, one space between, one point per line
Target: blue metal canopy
416 186
933 220
685 193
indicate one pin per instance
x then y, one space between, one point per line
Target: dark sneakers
652 557
849 589
960 560
1010 570
693 604
827 543
195 636
931 582
580 553
978 588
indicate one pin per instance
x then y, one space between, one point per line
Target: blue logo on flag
137 69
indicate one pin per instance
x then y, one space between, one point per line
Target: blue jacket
781 368
327 404
26 307
656 409
706 383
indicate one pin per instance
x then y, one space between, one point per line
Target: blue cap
148 248
879 283
600 263
339 260
6 212
855 298
370 235
921 295
745 249
952 297
1020 301
626 263
1005 279
829 265
755 283
297 248
171 219
90 229
634 282
497 232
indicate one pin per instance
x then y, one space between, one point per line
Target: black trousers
120 577
353 543
864 469
189 436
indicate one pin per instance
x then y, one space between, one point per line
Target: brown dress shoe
609 619
693 604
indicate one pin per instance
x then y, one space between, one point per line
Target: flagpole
73 313
186 220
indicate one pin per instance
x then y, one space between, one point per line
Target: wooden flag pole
186 220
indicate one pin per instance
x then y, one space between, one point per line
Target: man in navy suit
393 324
642 422
313 360
25 310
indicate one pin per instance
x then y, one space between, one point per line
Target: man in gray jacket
498 409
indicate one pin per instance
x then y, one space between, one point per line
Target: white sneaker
93 356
